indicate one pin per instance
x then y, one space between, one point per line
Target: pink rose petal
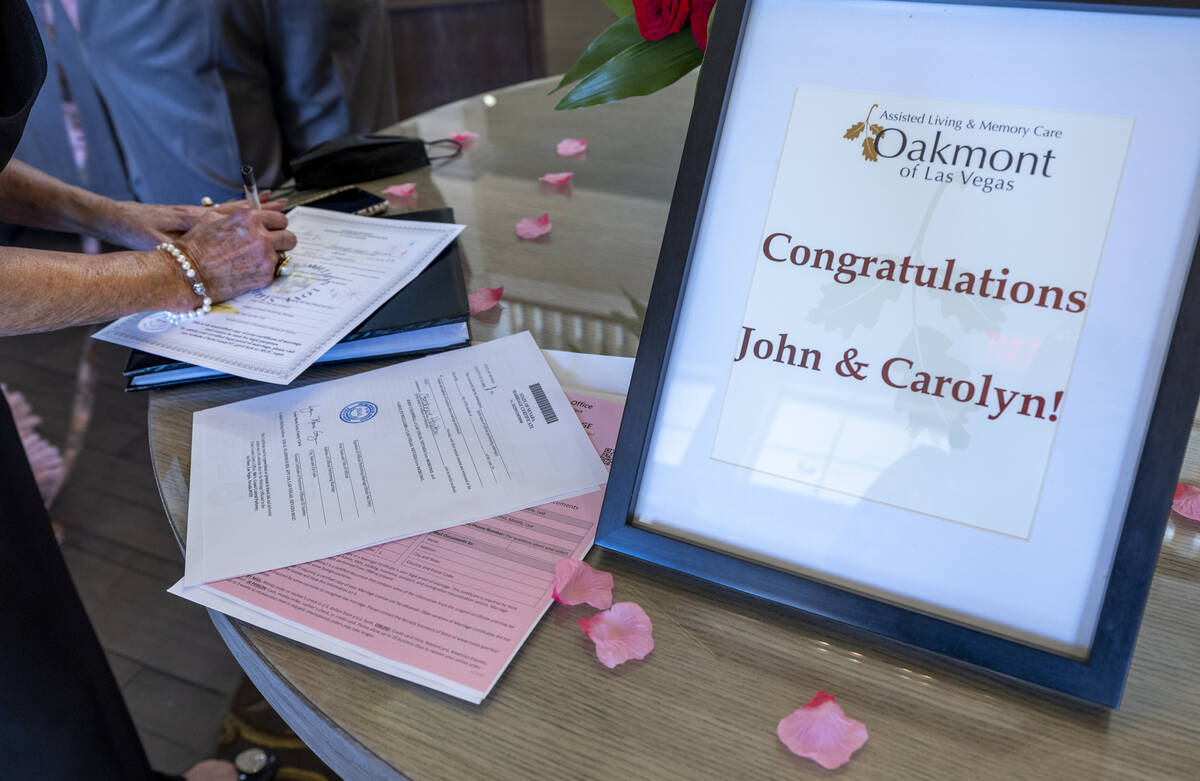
822 732
572 146
1187 501
466 138
575 582
484 298
534 227
621 633
400 190
561 178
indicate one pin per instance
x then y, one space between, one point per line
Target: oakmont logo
944 147
868 143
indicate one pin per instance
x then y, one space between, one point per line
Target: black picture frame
1099 678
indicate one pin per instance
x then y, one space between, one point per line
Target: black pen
250 186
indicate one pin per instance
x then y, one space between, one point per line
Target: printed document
312 472
447 610
343 268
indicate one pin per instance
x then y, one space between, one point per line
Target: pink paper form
455 603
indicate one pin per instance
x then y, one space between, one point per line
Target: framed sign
920 350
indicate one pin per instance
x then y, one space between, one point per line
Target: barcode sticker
543 403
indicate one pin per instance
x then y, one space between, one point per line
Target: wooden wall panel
444 50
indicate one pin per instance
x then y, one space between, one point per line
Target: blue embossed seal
358 412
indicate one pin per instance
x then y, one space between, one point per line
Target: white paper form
343 268
312 472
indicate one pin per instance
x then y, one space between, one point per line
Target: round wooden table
725 668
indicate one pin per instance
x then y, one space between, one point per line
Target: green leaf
617 38
633 324
620 7
641 69
639 309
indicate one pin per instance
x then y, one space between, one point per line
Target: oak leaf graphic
868 143
847 308
944 419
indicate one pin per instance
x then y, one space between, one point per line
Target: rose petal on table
400 190
572 146
466 138
575 583
559 178
534 227
482 299
621 633
1187 501
822 732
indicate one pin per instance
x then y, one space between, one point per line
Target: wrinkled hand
145 225
237 252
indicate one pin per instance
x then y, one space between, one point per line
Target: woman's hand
145 225
234 253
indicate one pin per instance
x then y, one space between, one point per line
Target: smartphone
349 200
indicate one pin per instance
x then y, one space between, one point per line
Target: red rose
656 19
701 10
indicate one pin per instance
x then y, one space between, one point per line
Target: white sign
919 292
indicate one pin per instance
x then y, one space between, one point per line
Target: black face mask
22 71
364 156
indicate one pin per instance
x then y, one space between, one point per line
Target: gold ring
282 269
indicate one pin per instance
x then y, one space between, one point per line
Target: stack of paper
428 315
447 609
344 267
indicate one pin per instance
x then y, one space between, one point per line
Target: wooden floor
175 673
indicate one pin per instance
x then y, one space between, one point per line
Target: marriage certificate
343 268
332 467
447 610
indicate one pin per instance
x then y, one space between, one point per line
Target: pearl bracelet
197 286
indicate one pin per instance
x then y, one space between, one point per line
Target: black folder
427 315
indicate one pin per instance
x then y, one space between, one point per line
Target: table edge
327 740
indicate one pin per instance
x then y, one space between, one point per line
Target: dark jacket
61 712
